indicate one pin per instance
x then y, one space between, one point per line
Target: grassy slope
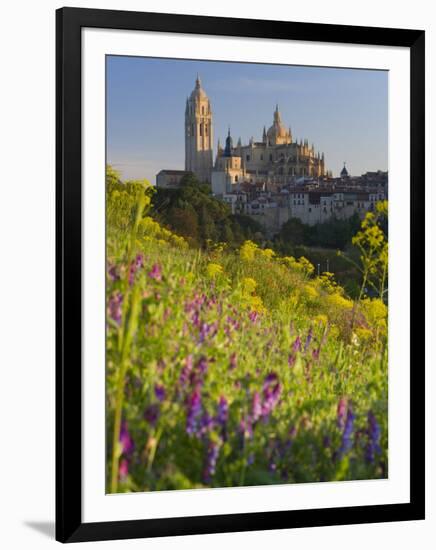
238 317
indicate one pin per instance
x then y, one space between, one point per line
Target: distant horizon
344 112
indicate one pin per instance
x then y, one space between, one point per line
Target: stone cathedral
277 158
199 134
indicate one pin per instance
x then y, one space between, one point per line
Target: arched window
205 130
202 110
201 129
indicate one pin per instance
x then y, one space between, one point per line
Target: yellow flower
213 270
310 292
268 253
306 266
363 334
339 302
376 311
248 251
322 319
257 304
249 285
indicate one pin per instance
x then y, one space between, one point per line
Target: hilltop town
271 180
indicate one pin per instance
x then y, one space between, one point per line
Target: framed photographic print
240 241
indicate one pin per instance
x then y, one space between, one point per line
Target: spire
229 145
198 81
264 135
239 142
277 114
344 172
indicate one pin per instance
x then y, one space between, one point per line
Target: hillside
234 366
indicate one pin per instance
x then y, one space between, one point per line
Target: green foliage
372 244
233 366
192 212
333 233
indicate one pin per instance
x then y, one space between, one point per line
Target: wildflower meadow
236 366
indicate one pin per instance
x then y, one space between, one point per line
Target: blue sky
344 112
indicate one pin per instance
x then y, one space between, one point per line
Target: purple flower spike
151 413
206 424
113 273
115 307
223 411
194 411
373 445
347 434
308 339
159 392
127 445
297 345
212 454
342 412
186 371
253 316
156 273
291 359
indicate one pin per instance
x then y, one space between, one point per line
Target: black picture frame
69 525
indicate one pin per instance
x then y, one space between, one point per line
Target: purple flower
308 339
373 445
136 264
123 470
223 411
271 397
253 315
186 371
207 330
270 379
159 392
212 454
296 345
194 411
127 445
341 412
115 307
202 365
271 394
156 273
113 273
207 422
291 359
151 413
347 434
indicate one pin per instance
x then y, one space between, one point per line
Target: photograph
246 274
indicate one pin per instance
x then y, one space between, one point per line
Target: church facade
277 158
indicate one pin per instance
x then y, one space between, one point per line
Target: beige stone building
229 171
199 134
278 158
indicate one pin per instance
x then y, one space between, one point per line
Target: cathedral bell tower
198 134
